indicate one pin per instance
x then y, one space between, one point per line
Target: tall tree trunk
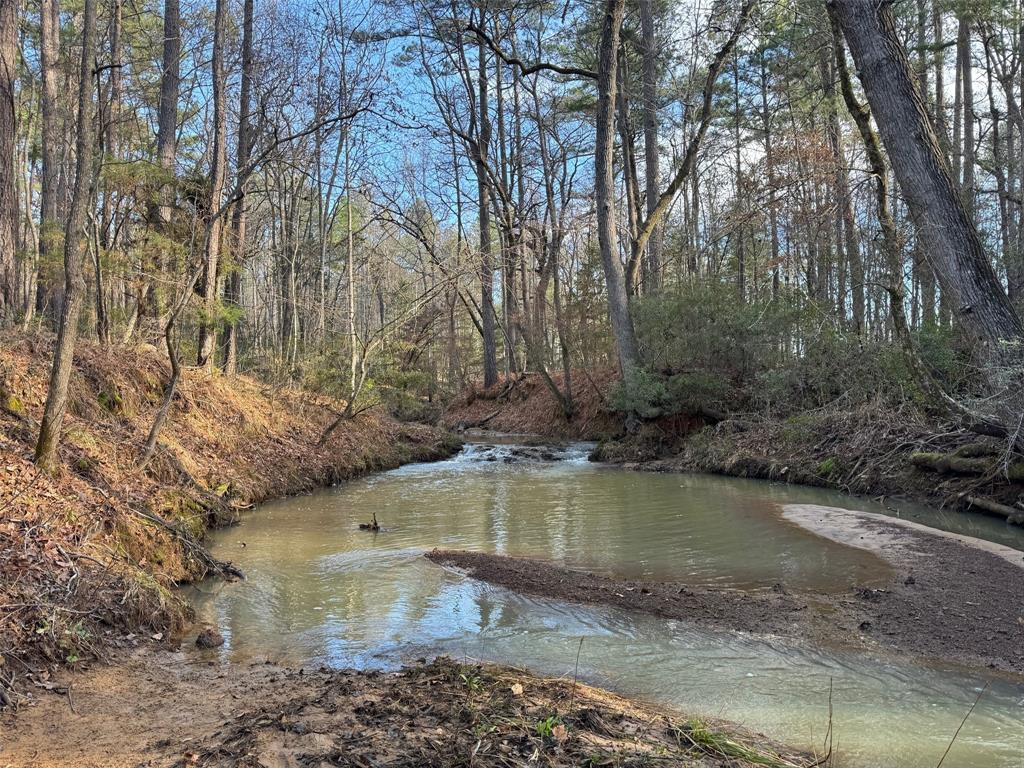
49 192
161 206
8 181
233 286
74 254
769 162
207 332
652 158
740 204
483 141
844 201
953 246
350 260
604 189
963 44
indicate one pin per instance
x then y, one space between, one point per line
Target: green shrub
705 349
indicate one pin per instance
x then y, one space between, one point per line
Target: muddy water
321 590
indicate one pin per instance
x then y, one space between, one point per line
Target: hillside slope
87 555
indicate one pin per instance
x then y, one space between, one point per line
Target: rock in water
210 638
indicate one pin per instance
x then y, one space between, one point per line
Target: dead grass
91 552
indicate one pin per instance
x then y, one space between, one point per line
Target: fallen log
954 464
1012 514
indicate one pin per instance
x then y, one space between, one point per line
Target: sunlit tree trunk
49 193
652 157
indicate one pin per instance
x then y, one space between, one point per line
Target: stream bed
319 590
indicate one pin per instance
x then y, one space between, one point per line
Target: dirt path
175 709
952 598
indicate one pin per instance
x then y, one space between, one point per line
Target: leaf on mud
158 636
517 689
560 732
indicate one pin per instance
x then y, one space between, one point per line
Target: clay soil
949 599
175 709
90 553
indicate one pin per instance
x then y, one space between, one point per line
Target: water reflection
320 589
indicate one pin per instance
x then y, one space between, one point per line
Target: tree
952 244
49 199
8 183
218 163
74 254
604 188
233 284
652 153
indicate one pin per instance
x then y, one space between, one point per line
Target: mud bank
89 553
868 452
176 709
872 449
948 598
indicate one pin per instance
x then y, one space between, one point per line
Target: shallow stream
320 590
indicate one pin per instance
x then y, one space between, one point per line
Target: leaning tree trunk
8 184
74 253
952 244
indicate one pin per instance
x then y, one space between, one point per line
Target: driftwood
1012 514
967 462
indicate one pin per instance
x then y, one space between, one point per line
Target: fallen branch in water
1012 514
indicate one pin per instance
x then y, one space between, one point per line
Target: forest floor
943 597
90 553
177 709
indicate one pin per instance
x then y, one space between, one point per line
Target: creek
321 591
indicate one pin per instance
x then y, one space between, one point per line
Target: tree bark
604 189
8 181
207 333
953 246
167 120
963 43
74 253
652 157
233 286
483 140
49 195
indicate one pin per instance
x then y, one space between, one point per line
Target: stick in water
969 711
575 676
